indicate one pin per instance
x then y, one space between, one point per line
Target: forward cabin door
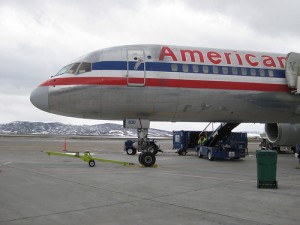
136 67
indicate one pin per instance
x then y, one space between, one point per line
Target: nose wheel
147 159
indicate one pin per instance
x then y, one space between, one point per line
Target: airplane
143 83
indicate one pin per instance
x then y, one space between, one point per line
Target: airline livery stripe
167 67
152 82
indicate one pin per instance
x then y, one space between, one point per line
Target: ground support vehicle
131 147
232 147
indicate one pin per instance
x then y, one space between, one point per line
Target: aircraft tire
147 159
92 163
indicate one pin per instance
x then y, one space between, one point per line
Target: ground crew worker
202 139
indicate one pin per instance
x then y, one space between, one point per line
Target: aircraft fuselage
170 83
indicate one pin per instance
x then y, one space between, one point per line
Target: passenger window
174 67
205 69
85 67
73 68
262 72
185 68
244 71
253 72
225 70
234 70
215 70
271 73
195 69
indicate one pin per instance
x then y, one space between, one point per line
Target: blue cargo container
180 141
184 141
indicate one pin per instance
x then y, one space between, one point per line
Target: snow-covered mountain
107 129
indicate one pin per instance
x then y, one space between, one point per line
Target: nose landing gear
147 157
147 148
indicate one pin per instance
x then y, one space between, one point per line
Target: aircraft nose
39 98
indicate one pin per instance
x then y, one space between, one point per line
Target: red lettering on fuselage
218 57
268 61
227 57
192 55
248 60
167 52
240 61
214 57
281 61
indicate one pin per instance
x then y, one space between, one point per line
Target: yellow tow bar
87 157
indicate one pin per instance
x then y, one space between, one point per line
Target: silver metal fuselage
169 83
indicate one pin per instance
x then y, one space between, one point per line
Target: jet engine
283 133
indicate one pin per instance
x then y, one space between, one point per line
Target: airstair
222 132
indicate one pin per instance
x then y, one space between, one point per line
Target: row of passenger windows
76 68
222 70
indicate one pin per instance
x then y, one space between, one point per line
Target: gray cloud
268 17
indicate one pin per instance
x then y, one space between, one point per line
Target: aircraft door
292 71
136 67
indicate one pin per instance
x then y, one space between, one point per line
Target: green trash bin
266 168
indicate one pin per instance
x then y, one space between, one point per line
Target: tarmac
38 189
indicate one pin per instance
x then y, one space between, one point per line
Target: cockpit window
63 70
85 67
73 68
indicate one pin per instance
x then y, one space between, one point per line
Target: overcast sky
39 37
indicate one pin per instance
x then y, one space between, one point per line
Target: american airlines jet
143 83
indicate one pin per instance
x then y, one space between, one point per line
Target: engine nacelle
283 133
